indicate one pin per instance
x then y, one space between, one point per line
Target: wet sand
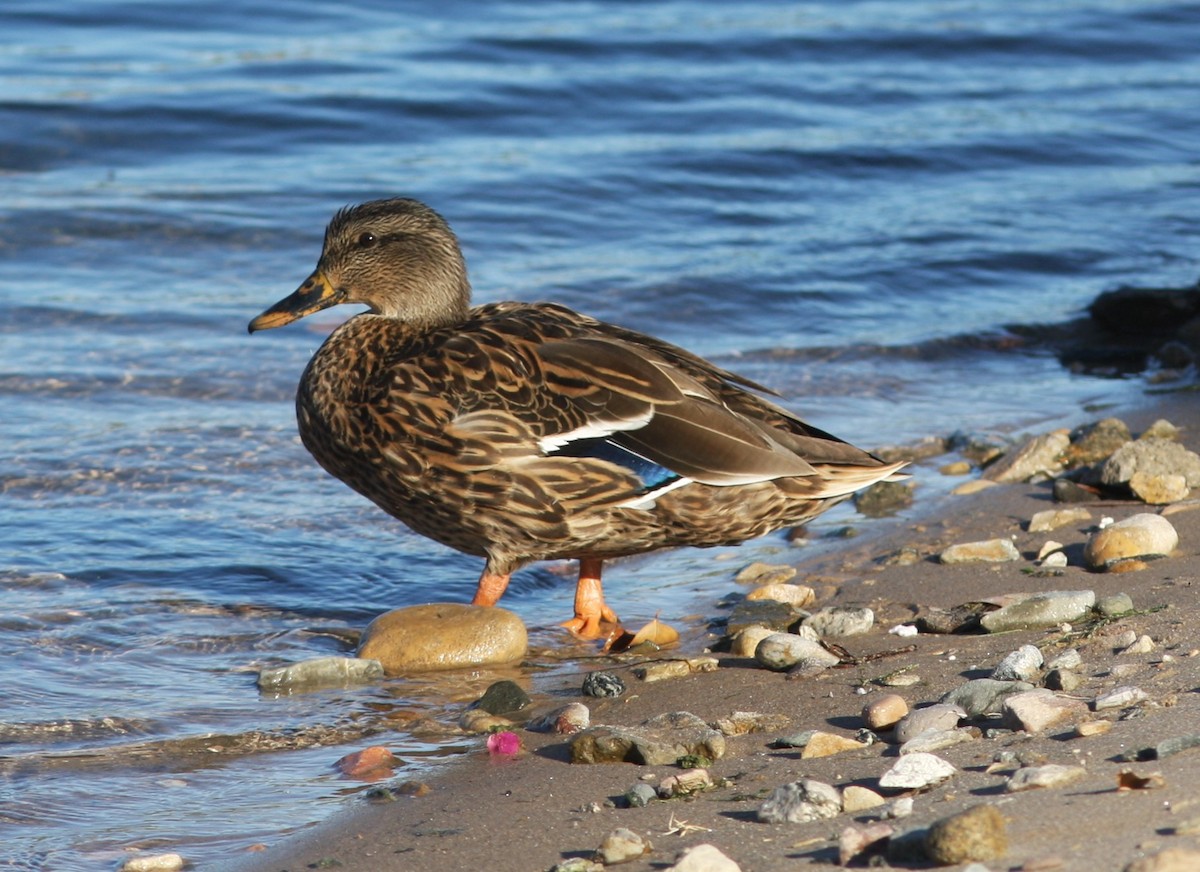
534 811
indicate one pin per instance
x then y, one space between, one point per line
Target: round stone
443 636
1138 537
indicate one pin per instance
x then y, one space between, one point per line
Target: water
846 201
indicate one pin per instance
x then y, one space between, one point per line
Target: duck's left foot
590 609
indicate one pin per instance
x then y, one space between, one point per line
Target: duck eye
366 240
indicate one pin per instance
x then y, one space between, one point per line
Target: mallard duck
520 432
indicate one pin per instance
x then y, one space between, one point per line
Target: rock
784 651
765 573
975 834
686 783
1068 658
1114 604
856 842
153 863
1067 491
884 498
370 764
959 619
1093 443
973 486
578 864
660 741
443 636
1062 679
1169 747
502 698
1142 645
979 448
795 740
883 712
774 615
640 795
743 723
795 595
938 740
1036 711
856 799
990 551
958 467
983 696
917 771
564 720
1170 860
1121 697
928 719
1050 547
1040 610
1158 490
746 641
1052 519
827 744
319 672
1092 728
603 684
479 721
841 621
1054 560
800 802
1040 456
622 846
703 858
1024 664
1160 429
1139 537
1151 457
662 670
1050 775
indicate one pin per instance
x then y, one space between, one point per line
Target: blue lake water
846 201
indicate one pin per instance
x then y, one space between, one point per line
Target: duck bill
314 295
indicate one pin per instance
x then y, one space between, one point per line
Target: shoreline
538 809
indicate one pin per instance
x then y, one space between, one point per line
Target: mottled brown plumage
526 431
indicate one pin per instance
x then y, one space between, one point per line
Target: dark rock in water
884 498
601 684
503 697
1146 311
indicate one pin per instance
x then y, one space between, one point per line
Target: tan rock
827 744
1040 456
1052 519
973 486
795 595
1158 490
1138 537
990 551
1170 860
855 799
443 636
977 834
746 640
884 711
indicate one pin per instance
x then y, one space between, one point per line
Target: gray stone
1040 610
1040 456
927 720
1139 537
443 636
660 741
938 740
984 696
1024 664
1120 697
1114 604
1036 711
841 621
884 498
1062 679
989 551
319 672
1151 456
784 651
772 614
800 802
916 771
1067 659
622 846
1049 775
1052 519
640 795
602 684
1174 745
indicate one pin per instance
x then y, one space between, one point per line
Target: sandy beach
538 809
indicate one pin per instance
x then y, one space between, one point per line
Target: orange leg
590 608
491 588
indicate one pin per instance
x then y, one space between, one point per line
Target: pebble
1052 519
1139 537
319 672
856 798
983 696
578 864
1121 697
762 613
1040 610
1068 658
1049 548
443 636
928 719
1152 456
1055 560
1114 604
800 802
938 740
686 783
1024 664
603 684
745 641
1159 490
916 771
703 858
1038 457
765 573
854 842
479 721
976 834
989 551
153 863
883 712
640 795
660 741
564 720
822 744
622 846
957 467
744 723
795 740
502 697
1093 443
1036 711
370 764
795 595
841 621
663 670
884 498
1050 775
784 651
1169 747
1067 491
1170 860
1062 679
1142 645
973 486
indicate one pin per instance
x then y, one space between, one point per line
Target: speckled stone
979 833
1139 537
443 636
